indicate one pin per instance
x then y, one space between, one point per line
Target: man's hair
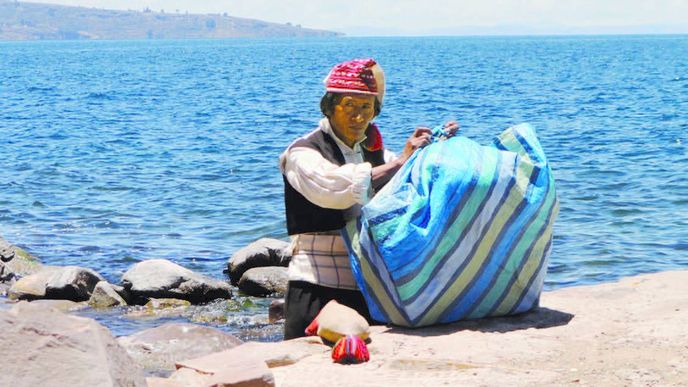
330 100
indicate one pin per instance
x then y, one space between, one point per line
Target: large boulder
61 283
50 348
264 281
263 252
160 278
16 262
158 349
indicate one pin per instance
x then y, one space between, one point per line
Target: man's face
351 117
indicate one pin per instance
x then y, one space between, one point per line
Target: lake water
120 151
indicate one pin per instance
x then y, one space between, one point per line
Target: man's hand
421 137
451 128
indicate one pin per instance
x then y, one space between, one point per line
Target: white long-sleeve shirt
322 258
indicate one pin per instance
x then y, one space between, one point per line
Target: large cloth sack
462 231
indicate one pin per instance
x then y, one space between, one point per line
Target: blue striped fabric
462 231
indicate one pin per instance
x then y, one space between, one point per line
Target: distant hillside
33 21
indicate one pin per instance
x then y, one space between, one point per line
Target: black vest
304 216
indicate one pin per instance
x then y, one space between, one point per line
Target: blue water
116 151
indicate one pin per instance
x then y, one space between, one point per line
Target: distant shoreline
23 21
421 37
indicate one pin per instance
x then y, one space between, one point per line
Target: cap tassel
350 349
373 140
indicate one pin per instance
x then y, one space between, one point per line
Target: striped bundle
463 231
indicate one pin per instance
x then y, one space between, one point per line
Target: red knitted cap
354 76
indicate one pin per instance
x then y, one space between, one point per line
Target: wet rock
62 283
221 312
30 287
227 368
241 312
9 251
16 262
50 348
160 278
105 296
158 349
4 289
264 281
261 253
166 303
160 308
276 311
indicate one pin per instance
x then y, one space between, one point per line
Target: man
328 174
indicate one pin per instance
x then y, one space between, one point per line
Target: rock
62 283
50 348
216 312
261 253
4 289
160 278
186 377
30 287
163 382
276 311
16 262
288 352
160 308
158 349
166 303
221 311
105 296
61 305
264 281
9 251
228 368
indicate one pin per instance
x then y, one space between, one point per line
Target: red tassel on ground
350 350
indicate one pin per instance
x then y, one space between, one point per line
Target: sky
439 17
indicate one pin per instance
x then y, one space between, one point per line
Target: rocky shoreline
258 269
626 333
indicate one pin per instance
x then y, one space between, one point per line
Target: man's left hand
451 128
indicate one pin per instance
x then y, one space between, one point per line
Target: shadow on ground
538 318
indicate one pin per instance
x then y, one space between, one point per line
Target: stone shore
629 333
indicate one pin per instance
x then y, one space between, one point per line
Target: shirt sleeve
388 155
324 183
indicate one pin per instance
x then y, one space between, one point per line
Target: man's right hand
383 173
